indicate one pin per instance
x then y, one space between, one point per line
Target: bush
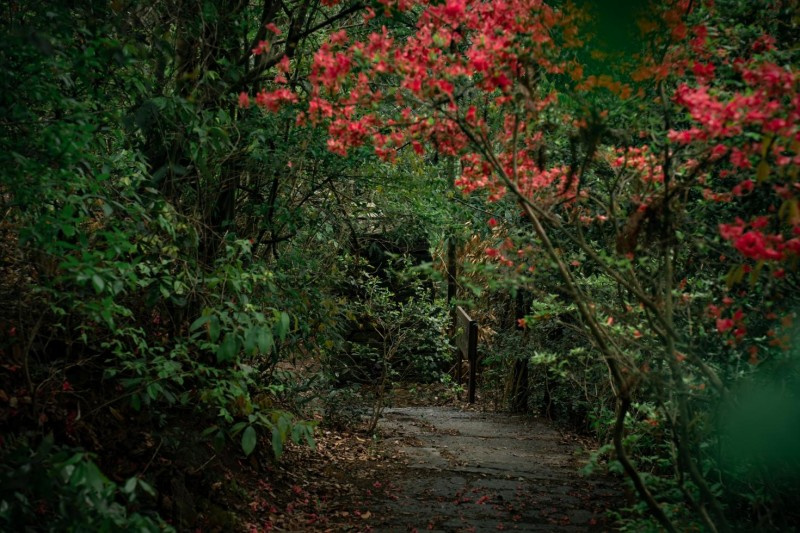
59 489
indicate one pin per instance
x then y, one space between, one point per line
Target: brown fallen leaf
367 515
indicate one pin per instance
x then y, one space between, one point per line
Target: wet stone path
469 471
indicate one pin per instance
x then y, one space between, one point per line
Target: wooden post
467 343
451 295
451 269
473 359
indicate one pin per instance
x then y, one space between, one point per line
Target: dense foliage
224 222
162 252
658 196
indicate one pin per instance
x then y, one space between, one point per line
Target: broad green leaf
146 487
265 341
165 292
130 485
227 349
68 230
199 322
219 441
735 275
277 443
208 431
214 328
249 439
250 344
136 402
94 477
152 390
98 283
310 438
755 273
283 328
284 424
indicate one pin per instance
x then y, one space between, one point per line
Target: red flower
752 244
703 72
454 8
731 231
446 87
724 324
273 100
244 100
261 47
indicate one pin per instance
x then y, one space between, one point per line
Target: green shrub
59 489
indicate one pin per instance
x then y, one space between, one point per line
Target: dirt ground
472 471
436 468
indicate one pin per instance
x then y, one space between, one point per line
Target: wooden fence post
467 343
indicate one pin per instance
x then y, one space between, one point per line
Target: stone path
469 471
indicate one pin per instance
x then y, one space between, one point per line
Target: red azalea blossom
731 231
724 324
283 64
454 8
261 47
274 99
753 245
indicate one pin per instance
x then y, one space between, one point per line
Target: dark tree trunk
519 385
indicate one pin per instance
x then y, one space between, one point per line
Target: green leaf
152 390
265 341
136 402
277 443
94 477
755 273
165 292
284 425
219 441
209 430
68 230
735 275
98 283
283 327
130 485
199 322
147 488
310 438
249 439
214 328
250 345
228 349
